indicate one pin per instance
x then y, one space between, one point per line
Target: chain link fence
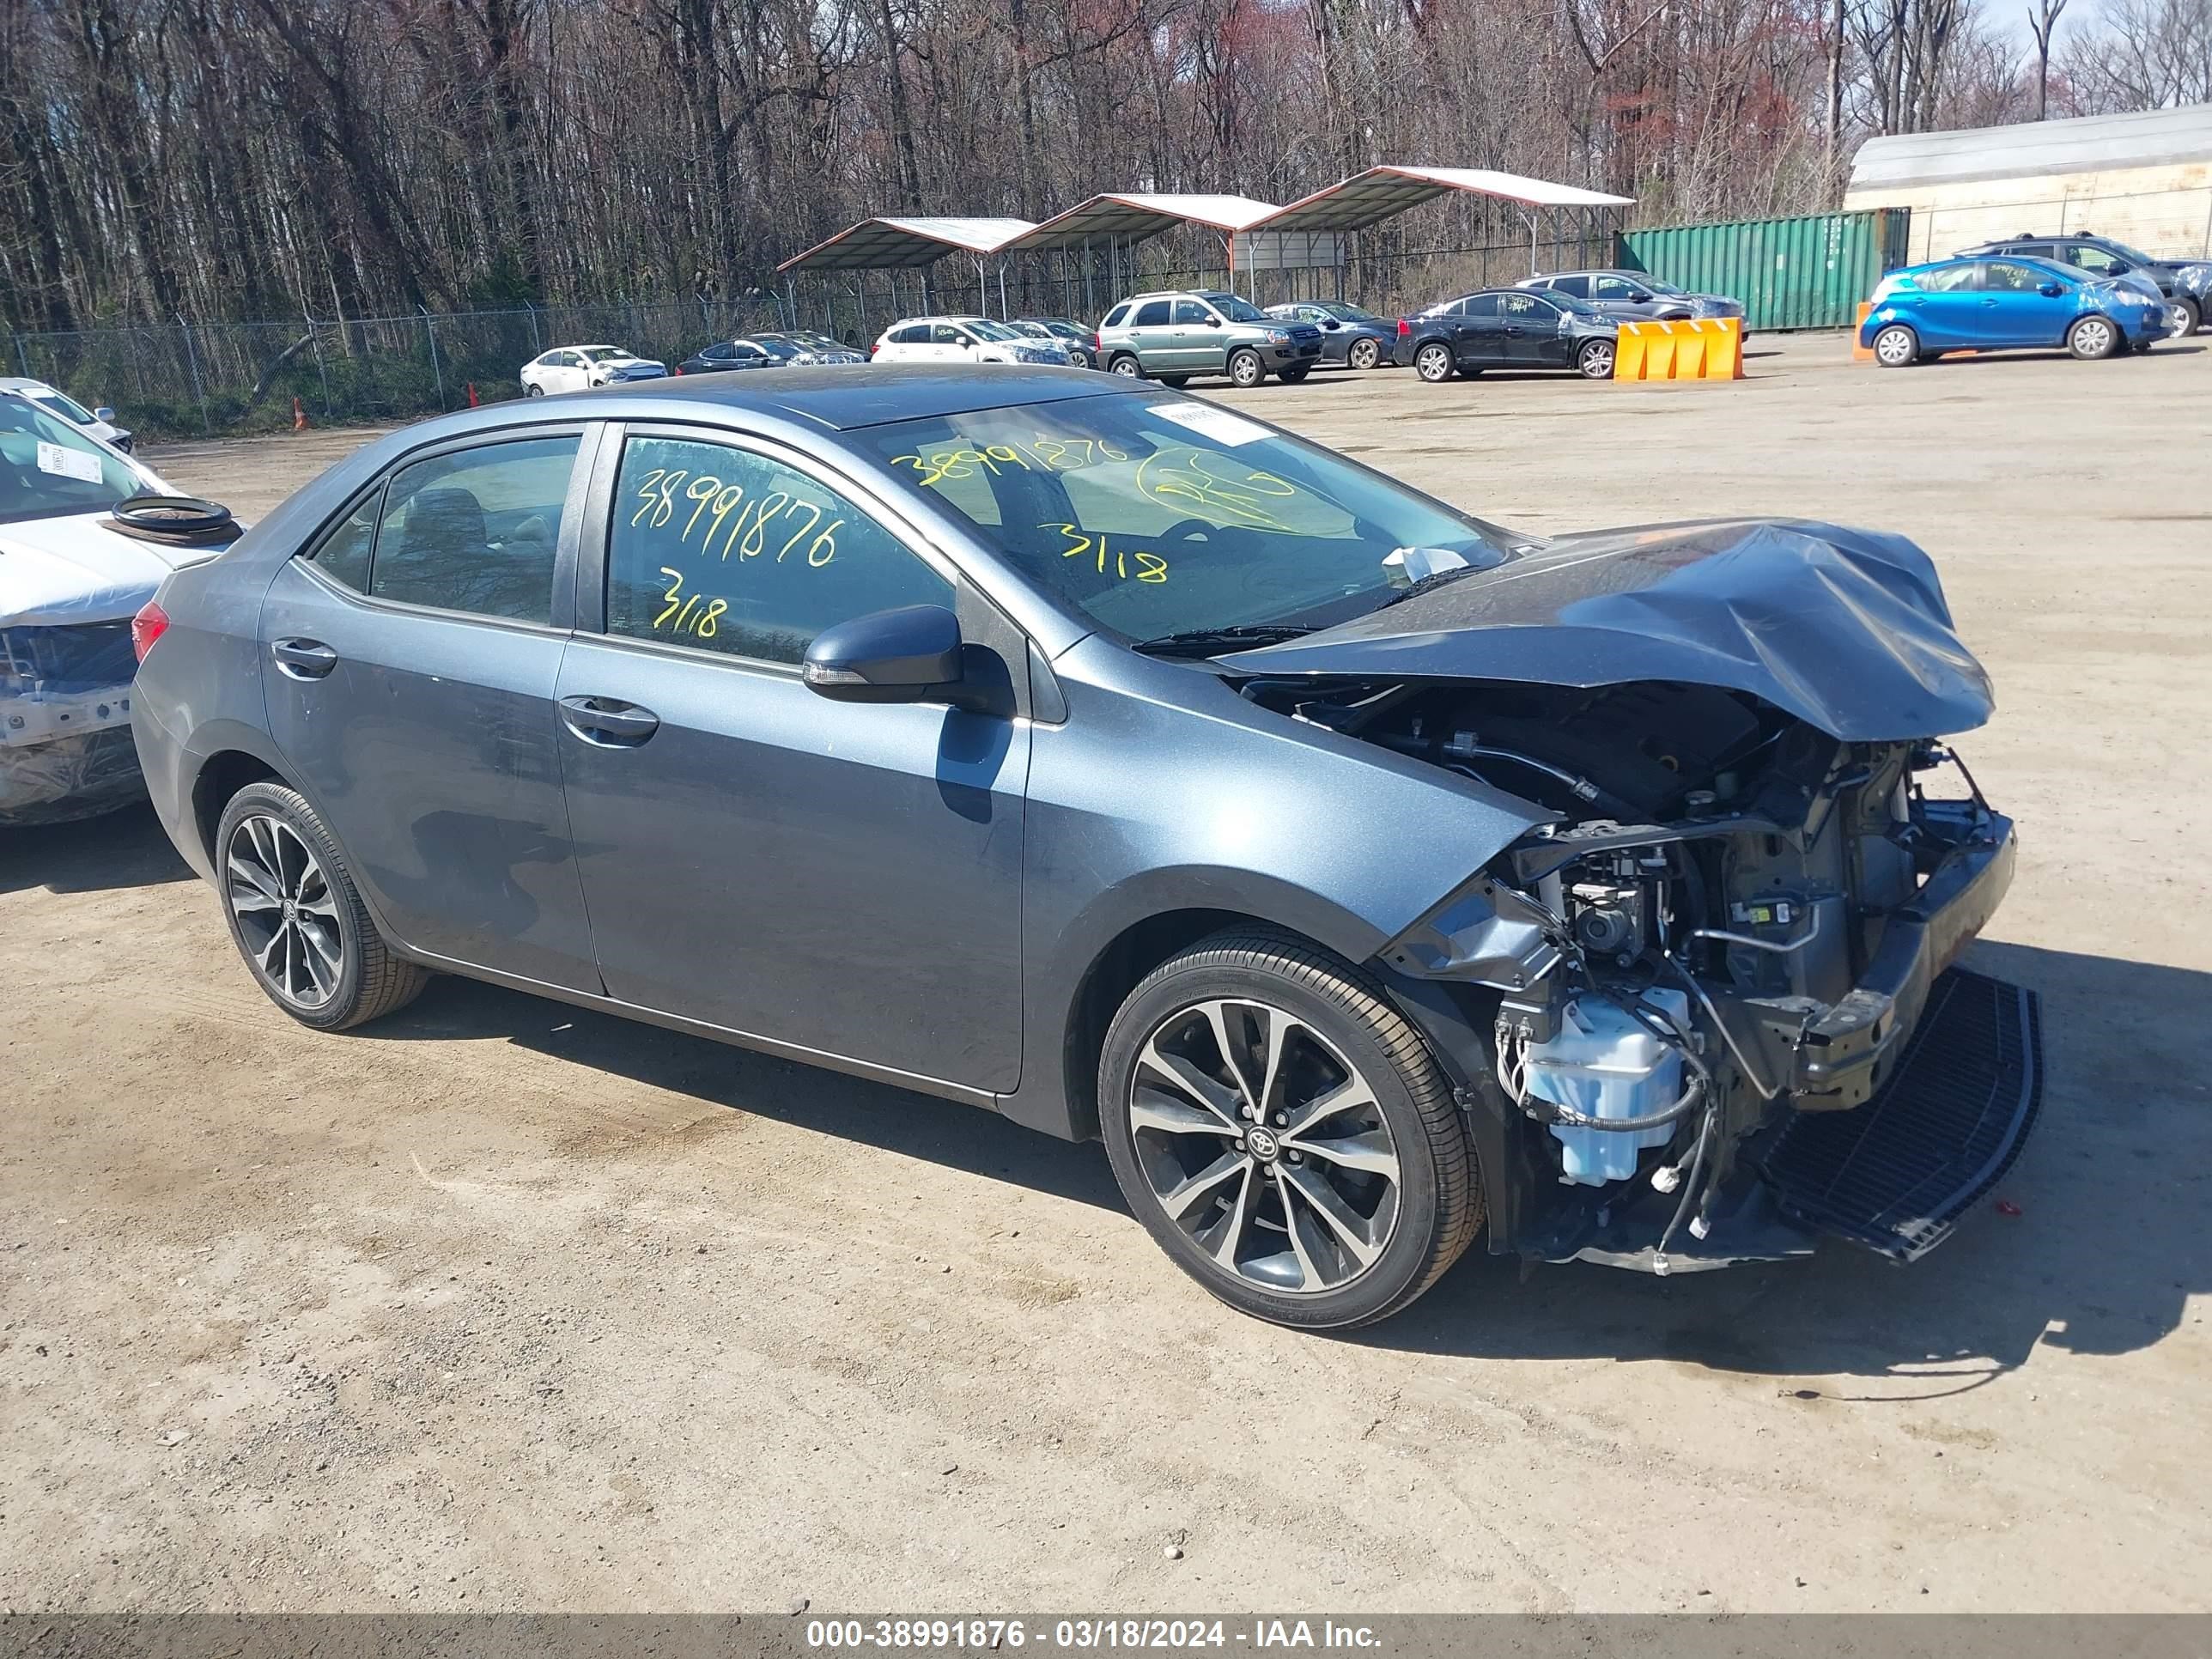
189 379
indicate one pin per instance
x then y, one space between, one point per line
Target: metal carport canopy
1127 218
903 243
1368 198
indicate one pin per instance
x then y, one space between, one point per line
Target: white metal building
2144 180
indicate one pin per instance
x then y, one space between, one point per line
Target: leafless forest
245 159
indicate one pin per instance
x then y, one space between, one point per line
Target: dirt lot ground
502 1305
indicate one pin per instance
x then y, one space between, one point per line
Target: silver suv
1172 336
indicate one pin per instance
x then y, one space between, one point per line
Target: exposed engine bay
1735 921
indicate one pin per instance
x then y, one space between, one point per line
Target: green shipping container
1790 273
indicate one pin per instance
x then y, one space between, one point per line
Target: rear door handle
303 659
609 721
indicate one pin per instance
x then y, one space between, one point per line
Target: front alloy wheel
1364 355
1245 369
1433 361
2183 320
1283 1132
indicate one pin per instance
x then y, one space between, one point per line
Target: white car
579 368
73 577
100 422
961 340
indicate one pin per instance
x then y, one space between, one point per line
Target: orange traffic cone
472 394
680 368
299 416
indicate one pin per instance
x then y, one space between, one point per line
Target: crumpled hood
74 569
1847 629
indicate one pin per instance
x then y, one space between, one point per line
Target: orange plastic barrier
1859 353
1707 349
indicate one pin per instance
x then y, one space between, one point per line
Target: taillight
1098 343
1404 328
148 626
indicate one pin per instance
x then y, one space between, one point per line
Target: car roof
841 399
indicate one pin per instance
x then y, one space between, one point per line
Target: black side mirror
2050 290
911 654
1331 323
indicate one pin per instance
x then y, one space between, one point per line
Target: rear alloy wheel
2186 319
2093 338
1245 369
534 391
297 918
1433 361
1284 1134
1896 347
1595 361
1126 366
1364 355
1078 358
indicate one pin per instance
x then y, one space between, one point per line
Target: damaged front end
1716 999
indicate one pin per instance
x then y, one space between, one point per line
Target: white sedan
579 368
961 340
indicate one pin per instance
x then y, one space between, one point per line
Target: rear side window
343 555
1577 285
1114 317
1153 313
724 549
475 530
1478 305
1952 279
912 334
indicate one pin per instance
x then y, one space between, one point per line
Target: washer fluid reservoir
1606 1063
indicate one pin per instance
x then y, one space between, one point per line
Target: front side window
1525 308
724 549
1190 311
1237 309
475 530
1613 287
1156 516
2005 277
946 334
1577 285
2094 259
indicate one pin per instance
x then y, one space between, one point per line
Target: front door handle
303 659
609 721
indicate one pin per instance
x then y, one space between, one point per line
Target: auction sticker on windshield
66 463
1208 422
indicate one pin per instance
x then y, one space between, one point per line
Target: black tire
533 392
1433 362
2094 337
371 980
1126 366
1078 358
1177 382
1438 1207
1896 347
1363 355
2188 317
1594 360
1245 369
1292 376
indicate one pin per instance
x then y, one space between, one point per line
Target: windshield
983 329
1237 310
1035 330
1346 313
814 342
1568 302
61 403
775 346
49 469
2132 255
1658 287
1160 515
600 354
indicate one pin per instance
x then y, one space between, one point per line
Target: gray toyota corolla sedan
1369 878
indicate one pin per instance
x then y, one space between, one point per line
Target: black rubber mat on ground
1896 1174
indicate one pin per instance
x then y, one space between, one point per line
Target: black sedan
1511 328
1350 337
767 351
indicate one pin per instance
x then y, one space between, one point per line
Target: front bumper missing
1894 1176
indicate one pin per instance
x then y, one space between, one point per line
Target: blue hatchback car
1995 305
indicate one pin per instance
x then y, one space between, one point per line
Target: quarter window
477 529
1114 317
1577 286
343 553
726 551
